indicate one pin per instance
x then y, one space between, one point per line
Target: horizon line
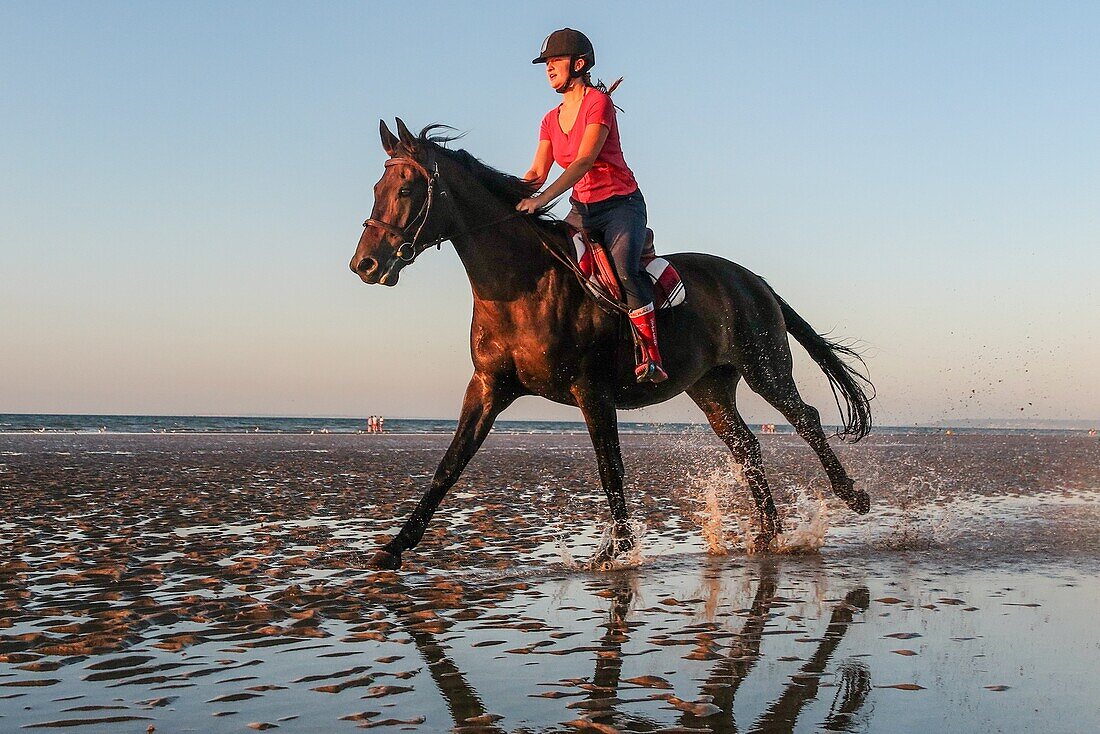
962 422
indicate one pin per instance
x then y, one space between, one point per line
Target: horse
536 330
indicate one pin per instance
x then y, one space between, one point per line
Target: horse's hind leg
773 381
716 395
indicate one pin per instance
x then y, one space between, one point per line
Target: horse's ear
407 138
389 140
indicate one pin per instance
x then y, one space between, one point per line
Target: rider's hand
531 205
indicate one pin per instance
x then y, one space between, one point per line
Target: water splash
566 555
811 524
925 515
711 517
607 544
727 516
715 491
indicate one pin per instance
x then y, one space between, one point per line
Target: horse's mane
506 187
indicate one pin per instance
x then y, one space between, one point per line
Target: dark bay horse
536 331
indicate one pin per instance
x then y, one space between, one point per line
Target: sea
142 424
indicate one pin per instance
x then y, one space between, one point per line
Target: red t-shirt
609 175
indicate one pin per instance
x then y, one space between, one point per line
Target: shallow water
210 583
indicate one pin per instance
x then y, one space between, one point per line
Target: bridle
408 250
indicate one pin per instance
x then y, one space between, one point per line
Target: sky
182 186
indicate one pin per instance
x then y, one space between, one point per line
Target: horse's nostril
366 266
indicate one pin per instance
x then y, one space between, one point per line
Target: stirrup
650 372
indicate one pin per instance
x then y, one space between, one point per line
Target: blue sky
183 185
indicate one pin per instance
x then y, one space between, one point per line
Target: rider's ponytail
586 77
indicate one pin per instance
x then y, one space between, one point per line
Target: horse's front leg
603 427
486 397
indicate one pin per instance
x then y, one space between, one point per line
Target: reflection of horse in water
732 664
536 331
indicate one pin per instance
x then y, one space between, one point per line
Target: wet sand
216 583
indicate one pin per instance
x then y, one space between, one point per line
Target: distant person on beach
381 424
582 136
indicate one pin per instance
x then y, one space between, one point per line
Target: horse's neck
504 262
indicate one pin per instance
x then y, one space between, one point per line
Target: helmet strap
573 74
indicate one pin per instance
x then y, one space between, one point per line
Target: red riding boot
649 368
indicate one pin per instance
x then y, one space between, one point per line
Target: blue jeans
620 223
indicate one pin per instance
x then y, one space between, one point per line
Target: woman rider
582 136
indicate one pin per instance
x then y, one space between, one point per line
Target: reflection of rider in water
582 136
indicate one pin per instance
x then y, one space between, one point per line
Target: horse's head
409 213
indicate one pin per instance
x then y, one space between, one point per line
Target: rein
409 250
608 304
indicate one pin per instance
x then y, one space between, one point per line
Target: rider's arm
544 158
592 142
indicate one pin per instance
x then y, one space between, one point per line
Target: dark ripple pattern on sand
216 583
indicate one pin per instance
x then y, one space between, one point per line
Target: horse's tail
847 382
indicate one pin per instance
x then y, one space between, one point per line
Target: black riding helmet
571 43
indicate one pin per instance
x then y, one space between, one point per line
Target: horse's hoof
383 560
615 546
860 502
608 560
603 562
857 500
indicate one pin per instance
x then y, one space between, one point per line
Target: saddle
600 276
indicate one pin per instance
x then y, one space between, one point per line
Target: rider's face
557 71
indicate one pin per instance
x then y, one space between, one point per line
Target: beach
210 583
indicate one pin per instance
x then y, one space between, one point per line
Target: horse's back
716 286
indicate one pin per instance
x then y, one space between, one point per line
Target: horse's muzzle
392 271
367 269
371 271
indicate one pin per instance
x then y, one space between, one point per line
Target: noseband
408 251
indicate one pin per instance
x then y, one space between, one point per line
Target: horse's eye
404 191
